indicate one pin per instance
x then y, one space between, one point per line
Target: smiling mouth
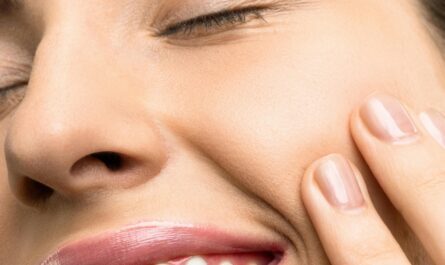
148 243
225 259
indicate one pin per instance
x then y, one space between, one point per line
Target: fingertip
333 182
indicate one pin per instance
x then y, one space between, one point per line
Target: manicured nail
388 120
337 182
434 123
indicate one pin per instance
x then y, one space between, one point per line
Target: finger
408 162
348 225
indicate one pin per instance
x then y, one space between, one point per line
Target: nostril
112 161
35 192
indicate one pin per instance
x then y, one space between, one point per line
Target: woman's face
130 115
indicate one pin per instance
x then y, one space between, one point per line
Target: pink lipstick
156 243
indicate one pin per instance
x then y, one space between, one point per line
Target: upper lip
151 243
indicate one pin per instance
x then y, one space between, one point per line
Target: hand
406 153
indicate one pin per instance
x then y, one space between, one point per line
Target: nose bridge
78 115
74 57
72 91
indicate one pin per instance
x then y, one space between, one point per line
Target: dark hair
6 5
436 14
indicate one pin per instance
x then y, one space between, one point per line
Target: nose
83 126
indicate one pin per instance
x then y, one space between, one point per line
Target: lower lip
152 243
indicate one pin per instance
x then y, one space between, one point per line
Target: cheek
264 109
264 123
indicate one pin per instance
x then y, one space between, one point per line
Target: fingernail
336 180
434 123
388 120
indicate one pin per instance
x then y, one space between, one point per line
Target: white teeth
226 262
196 260
162 264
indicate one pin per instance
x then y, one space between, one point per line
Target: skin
214 129
408 167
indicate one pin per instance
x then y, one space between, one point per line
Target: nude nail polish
434 123
338 184
388 120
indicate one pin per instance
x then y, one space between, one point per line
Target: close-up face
193 118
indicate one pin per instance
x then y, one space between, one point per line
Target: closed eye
213 22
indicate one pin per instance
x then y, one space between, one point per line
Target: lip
151 243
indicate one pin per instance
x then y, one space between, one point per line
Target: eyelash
214 21
10 97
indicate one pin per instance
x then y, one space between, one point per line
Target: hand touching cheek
406 153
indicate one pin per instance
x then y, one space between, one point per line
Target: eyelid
8 79
219 18
13 72
168 15
13 86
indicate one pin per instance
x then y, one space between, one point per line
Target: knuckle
376 257
380 251
426 175
431 180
